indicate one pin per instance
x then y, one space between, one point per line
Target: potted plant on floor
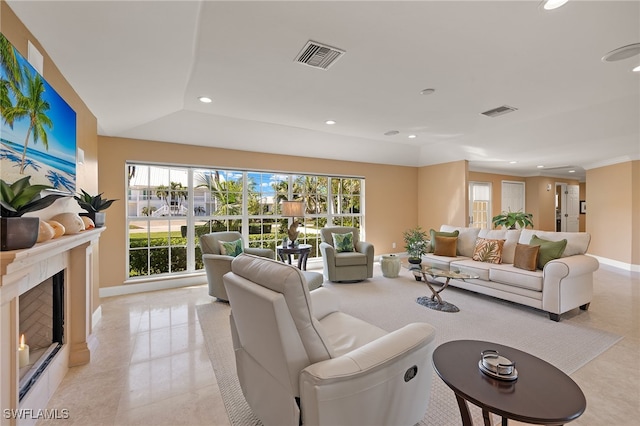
510 219
16 199
415 243
94 206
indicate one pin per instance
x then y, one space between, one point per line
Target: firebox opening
41 321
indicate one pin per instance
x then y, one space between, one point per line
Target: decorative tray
496 366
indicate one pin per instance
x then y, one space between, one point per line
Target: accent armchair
217 264
346 266
299 358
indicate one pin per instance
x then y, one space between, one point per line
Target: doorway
567 207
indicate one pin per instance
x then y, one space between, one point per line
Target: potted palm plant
16 199
415 243
94 206
510 219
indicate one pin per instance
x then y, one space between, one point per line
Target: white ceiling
140 66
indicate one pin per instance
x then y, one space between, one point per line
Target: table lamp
293 209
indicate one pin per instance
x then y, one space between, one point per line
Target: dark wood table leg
464 411
302 260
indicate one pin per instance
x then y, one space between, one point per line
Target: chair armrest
323 303
328 251
211 259
373 356
262 252
364 248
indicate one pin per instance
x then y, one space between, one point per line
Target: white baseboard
617 264
153 285
96 316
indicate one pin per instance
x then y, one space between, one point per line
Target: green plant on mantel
415 242
92 203
21 197
510 219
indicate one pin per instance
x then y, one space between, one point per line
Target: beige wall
443 195
390 208
86 127
613 194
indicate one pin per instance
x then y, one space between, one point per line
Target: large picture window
169 207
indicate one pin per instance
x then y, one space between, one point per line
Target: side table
301 250
542 394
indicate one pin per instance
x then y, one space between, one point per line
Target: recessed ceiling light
330 122
412 136
623 52
391 133
540 167
572 171
553 4
205 100
427 91
513 162
636 69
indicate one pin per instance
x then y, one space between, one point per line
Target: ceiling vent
318 55
501 110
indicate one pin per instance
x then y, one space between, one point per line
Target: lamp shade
293 208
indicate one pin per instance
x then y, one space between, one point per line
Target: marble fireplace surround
21 270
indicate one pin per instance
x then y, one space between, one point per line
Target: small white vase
390 265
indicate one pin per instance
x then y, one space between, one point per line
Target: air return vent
318 55
501 110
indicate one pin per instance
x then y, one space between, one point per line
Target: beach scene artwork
37 129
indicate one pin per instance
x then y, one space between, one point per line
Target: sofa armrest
571 266
568 283
348 389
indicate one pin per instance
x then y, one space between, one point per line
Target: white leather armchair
299 358
216 264
346 266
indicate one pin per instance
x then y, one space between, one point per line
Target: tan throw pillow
526 257
445 246
489 251
433 234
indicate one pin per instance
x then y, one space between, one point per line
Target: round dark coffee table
542 394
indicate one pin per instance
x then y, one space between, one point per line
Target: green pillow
231 248
549 250
435 234
343 242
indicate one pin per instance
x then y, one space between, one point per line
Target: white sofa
564 284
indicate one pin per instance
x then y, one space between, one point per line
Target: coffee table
541 394
426 270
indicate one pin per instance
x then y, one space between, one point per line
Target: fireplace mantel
21 270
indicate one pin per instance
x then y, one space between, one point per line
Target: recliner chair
216 264
350 266
299 358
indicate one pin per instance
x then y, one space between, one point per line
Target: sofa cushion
473 267
343 242
487 250
445 246
231 248
549 250
441 262
350 258
577 242
433 234
466 238
511 237
526 257
509 274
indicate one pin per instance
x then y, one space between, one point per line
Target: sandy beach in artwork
40 172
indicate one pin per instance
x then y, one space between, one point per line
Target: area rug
391 303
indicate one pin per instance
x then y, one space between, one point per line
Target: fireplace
41 328
45 294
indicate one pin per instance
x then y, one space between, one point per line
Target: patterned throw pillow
487 250
526 257
445 246
549 250
343 242
231 248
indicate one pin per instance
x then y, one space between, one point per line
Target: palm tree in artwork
13 77
33 106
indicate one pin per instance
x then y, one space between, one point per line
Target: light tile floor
149 365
